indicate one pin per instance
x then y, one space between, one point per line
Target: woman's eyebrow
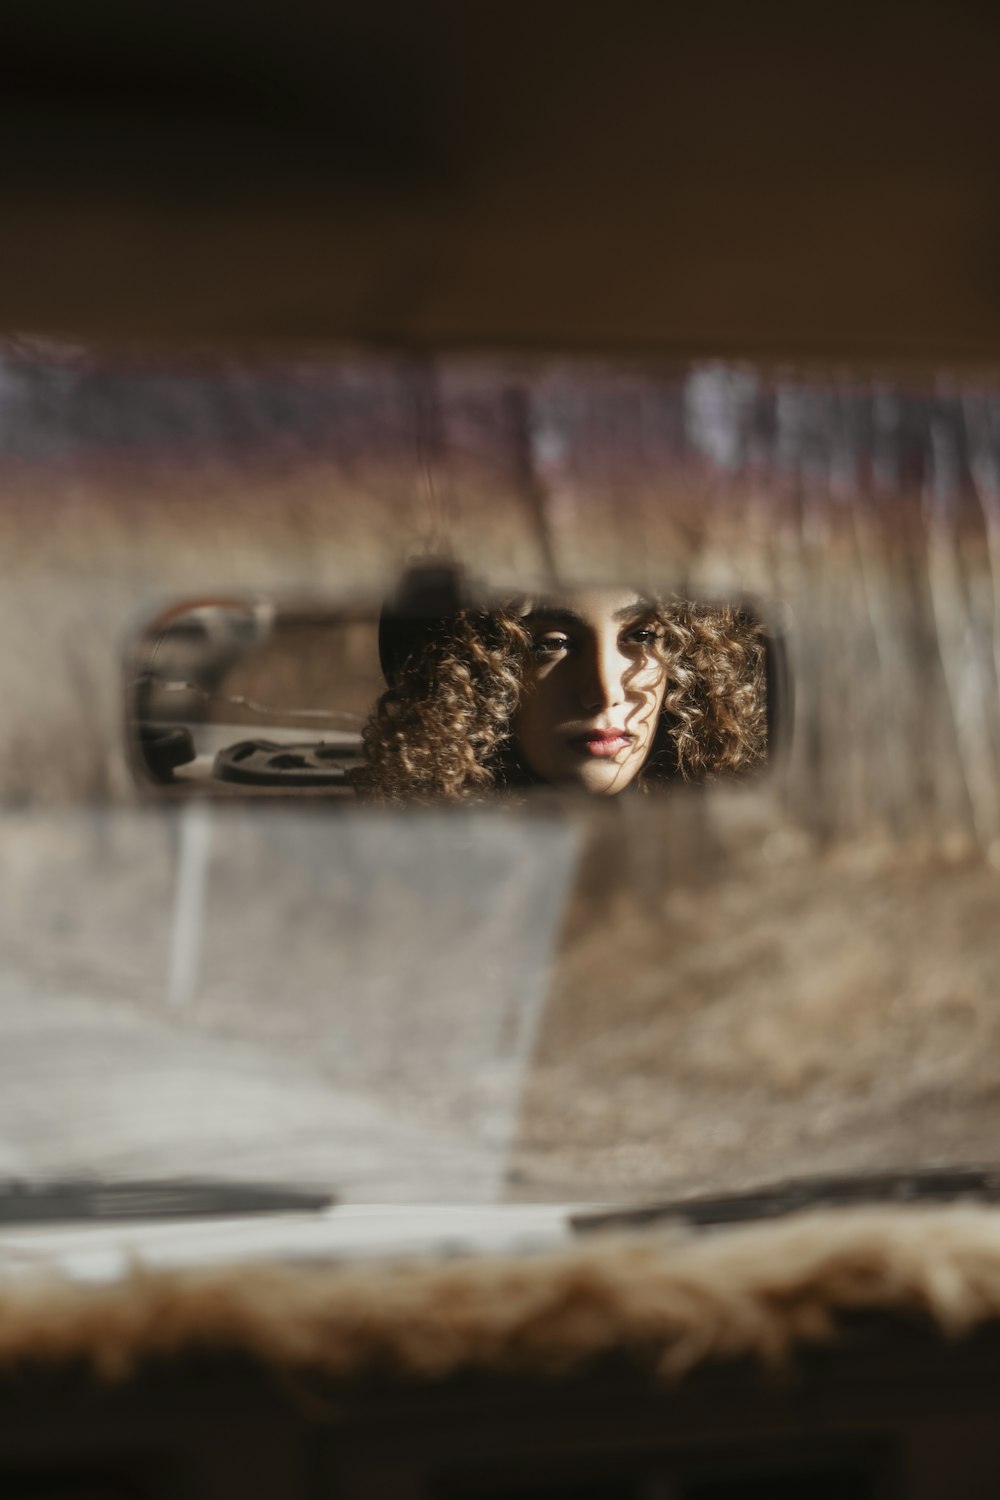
635 611
553 616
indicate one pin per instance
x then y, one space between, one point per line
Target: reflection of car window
270 698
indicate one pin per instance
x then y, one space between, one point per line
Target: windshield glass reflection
538 888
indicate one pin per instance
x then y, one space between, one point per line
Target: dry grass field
796 1012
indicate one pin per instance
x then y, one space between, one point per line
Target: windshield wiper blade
775 1200
72 1200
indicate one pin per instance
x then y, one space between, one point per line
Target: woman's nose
602 676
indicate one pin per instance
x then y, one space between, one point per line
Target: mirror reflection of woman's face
593 689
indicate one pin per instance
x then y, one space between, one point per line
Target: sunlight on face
593 689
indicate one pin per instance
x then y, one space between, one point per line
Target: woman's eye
644 635
550 644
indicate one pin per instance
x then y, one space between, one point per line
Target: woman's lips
603 743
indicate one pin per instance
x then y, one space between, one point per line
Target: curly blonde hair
444 730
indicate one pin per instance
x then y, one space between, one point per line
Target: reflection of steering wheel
425 603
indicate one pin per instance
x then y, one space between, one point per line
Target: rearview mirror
444 693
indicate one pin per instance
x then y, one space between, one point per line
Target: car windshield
486 781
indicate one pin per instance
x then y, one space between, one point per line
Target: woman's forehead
591 606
